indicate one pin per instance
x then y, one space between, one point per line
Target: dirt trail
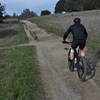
59 83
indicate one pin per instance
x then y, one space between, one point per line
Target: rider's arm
86 34
66 33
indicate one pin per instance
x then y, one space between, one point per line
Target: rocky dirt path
59 83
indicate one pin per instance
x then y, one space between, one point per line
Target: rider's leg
71 54
82 46
73 47
82 53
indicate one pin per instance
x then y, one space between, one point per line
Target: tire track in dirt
59 83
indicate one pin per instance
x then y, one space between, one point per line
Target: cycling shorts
81 43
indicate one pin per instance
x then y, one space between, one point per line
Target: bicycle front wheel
71 66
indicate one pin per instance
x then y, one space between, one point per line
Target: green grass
19 75
19 69
55 30
49 28
19 38
93 43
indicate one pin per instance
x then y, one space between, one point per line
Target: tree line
62 5
76 5
26 13
2 9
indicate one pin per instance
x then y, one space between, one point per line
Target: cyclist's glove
63 41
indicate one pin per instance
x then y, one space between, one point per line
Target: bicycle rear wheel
82 69
91 70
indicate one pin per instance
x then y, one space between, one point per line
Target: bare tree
2 9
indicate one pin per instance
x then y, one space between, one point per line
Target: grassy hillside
19 69
59 23
12 33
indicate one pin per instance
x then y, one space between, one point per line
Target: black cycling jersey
78 31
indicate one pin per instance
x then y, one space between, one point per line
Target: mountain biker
79 34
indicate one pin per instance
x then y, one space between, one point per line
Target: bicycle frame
81 65
76 54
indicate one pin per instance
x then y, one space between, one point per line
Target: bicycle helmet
77 20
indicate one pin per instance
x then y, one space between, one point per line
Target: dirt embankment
8 28
59 83
12 34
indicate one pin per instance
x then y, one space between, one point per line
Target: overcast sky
35 5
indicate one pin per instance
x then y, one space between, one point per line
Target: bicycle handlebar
66 42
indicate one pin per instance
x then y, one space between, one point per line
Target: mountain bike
85 69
